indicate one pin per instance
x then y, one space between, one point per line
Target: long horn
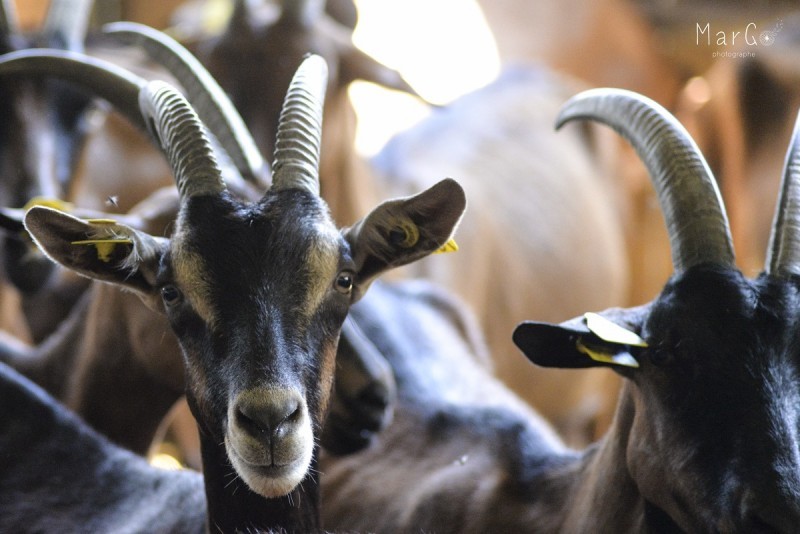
183 139
9 24
66 23
297 143
687 192
206 96
104 79
783 256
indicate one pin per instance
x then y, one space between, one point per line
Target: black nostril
269 418
250 425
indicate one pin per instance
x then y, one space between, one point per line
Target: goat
565 191
705 433
256 294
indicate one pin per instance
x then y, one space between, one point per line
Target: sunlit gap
443 48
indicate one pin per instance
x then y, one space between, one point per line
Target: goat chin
272 470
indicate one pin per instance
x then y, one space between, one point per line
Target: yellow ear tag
104 246
410 233
48 203
450 246
624 359
611 332
103 222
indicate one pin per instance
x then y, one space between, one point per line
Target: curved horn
66 23
204 93
182 136
783 256
687 192
106 80
299 135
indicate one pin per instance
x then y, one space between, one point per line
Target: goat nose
272 417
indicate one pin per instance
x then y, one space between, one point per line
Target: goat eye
662 357
344 282
170 294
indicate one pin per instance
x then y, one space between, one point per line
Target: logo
745 41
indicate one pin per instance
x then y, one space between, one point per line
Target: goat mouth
270 479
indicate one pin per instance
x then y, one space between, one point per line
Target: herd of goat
151 254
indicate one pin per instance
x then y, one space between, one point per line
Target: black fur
58 475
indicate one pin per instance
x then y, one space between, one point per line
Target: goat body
57 474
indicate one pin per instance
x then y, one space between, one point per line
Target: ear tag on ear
405 234
54 203
611 332
104 222
104 246
450 246
622 358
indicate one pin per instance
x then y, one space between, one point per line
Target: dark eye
170 295
662 355
344 282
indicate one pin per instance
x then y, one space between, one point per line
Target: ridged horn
783 256
299 135
687 192
204 93
114 84
182 136
66 23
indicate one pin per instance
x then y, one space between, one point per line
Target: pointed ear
358 66
404 230
98 248
609 339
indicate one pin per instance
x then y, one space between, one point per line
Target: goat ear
404 230
97 248
609 339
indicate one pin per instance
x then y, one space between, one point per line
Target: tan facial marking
190 274
322 262
328 367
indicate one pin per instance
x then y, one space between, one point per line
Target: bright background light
443 48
